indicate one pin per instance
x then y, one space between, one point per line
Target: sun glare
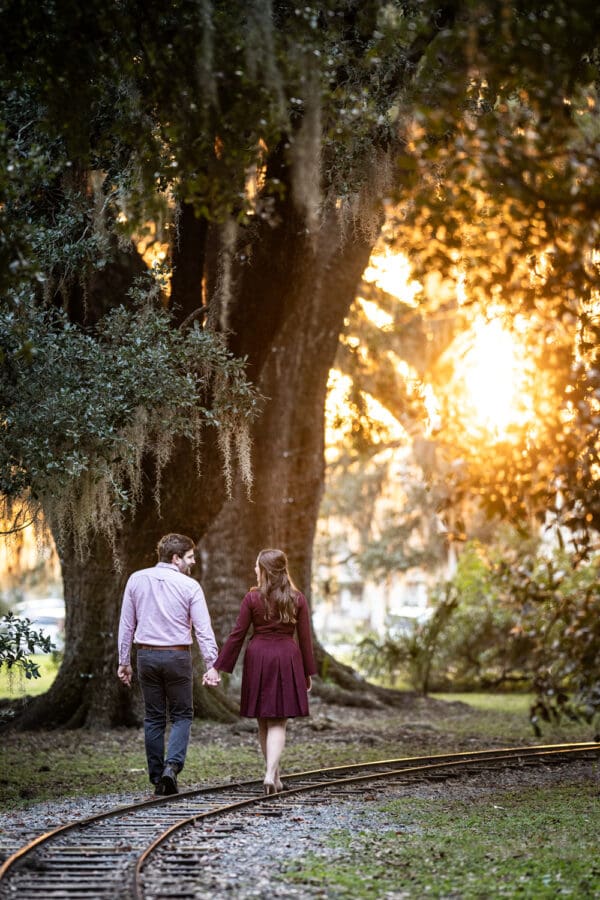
391 272
378 316
491 373
338 417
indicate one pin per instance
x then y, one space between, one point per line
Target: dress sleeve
304 637
228 656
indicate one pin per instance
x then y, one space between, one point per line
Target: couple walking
162 604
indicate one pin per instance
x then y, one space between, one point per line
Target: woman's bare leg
274 745
262 736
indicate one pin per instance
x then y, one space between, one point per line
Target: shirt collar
164 565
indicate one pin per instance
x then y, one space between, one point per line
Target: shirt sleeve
228 656
203 629
305 638
127 625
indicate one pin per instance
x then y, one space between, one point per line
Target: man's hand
211 677
125 673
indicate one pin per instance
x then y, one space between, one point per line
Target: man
160 606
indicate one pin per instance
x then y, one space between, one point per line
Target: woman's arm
228 656
304 637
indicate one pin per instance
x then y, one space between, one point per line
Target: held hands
211 677
124 674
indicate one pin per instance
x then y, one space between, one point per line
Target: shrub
18 641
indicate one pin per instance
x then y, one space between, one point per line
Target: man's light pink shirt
160 606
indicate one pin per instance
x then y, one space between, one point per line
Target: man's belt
172 647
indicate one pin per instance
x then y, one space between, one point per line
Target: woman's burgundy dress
275 666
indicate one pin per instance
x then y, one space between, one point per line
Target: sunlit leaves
505 155
501 194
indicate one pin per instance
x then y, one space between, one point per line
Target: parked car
46 615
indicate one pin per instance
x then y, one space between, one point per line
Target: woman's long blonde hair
276 586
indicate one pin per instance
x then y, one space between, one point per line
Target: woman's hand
211 677
309 682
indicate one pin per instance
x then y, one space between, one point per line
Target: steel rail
402 764
193 792
467 758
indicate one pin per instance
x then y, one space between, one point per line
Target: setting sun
491 375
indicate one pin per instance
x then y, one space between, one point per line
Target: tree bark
288 459
86 690
285 314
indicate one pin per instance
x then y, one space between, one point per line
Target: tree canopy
120 119
121 124
504 206
254 147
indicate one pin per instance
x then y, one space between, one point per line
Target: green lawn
13 683
494 703
532 843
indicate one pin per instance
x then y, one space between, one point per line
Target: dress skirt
273 679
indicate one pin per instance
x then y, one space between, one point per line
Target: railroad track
106 855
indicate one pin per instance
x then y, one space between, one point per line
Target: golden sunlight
378 316
338 420
391 272
491 373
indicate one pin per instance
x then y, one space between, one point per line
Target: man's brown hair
173 544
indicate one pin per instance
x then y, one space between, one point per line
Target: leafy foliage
557 616
512 615
193 97
503 205
411 652
116 123
77 418
18 641
499 165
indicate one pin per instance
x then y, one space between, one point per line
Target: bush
18 641
514 615
465 645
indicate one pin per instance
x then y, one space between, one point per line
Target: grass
13 683
38 766
531 844
50 765
495 703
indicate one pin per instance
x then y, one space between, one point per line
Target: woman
277 671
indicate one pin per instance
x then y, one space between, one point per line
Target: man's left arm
127 625
205 636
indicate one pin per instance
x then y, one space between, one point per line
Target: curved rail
131 819
443 761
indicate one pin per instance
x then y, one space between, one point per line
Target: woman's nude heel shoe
269 787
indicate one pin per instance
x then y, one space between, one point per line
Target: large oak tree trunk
86 690
284 315
283 508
